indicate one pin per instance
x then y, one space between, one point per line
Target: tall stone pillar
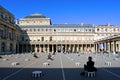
105 46
81 47
78 48
61 48
73 48
93 48
36 48
48 49
43 47
70 47
39 48
86 49
31 48
109 46
96 47
52 48
90 48
56 48
114 46
119 46
65 48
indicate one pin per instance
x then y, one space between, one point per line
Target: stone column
93 48
61 48
114 46
73 48
43 47
48 48
65 48
105 46
52 48
78 48
39 48
86 47
70 47
109 47
35 47
31 48
96 47
56 48
90 48
119 46
81 47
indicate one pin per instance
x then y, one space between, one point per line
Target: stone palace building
36 33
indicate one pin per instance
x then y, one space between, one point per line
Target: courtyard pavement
62 67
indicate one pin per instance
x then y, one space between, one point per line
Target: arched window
74 30
97 29
34 29
42 38
54 30
50 38
105 29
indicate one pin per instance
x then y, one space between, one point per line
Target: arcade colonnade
109 46
56 48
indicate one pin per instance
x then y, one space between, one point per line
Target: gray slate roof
58 26
36 15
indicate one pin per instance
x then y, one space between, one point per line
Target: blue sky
68 11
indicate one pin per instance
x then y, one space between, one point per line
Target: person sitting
49 56
90 65
0 56
35 55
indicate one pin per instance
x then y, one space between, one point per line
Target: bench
5 59
27 59
37 74
45 64
77 64
91 74
15 63
108 63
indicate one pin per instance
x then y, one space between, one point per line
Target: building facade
9 33
36 33
110 44
39 35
